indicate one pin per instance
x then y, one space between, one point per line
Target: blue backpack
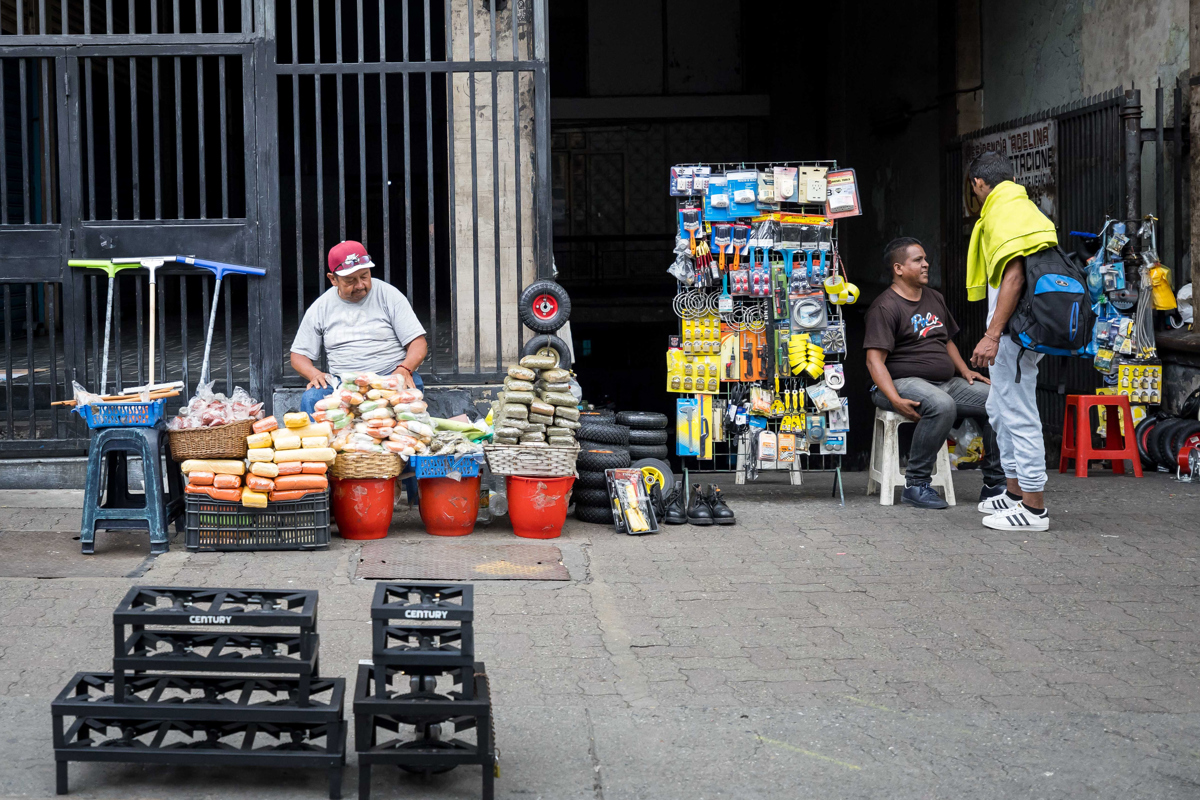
1055 315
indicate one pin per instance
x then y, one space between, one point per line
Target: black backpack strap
1020 356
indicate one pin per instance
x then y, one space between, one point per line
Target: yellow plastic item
852 291
215 466
316 429
286 440
253 499
1160 288
260 454
258 440
314 441
325 454
296 419
835 284
265 469
815 371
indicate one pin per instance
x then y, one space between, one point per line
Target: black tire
584 444
1141 433
1156 442
643 420
637 452
596 516
544 307
591 480
550 345
603 433
598 460
1189 427
644 438
605 415
594 498
663 467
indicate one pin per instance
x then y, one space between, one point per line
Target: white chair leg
873 464
891 464
945 475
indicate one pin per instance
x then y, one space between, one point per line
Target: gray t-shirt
369 336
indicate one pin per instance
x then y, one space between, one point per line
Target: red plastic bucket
363 507
538 506
449 507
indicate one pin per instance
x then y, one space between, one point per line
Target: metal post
1131 119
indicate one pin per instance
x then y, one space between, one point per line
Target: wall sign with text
1033 150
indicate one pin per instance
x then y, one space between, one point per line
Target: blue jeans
308 404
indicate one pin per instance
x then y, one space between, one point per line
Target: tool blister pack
764 311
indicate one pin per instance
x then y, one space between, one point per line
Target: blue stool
122 510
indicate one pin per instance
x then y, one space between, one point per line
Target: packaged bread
227 481
313 467
314 441
291 494
258 440
325 454
260 454
264 469
231 495
381 394
217 466
285 482
329 402
317 429
265 424
259 483
253 499
296 419
290 468
286 442
379 433
378 413
399 448
200 478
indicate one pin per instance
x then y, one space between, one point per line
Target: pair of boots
703 509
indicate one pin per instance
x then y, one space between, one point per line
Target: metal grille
1090 186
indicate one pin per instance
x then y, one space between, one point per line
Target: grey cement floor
811 651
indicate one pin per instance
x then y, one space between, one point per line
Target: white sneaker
1017 519
1000 502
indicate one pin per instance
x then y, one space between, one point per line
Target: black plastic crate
285 525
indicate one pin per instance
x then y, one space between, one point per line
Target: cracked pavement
811 650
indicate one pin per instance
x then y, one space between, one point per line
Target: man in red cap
363 327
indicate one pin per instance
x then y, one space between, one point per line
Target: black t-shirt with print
914 334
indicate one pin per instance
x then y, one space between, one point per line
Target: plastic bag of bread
227 481
306 454
229 495
313 467
253 499
217 466
329 402
316 429
286 441
264 469
296 419
399 448
286 482
265 425
260 484
258 440
200 478
291 494
260 454
314 441
290 468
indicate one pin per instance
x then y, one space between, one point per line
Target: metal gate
232 129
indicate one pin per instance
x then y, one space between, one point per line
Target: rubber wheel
602 415
584 444
642 420
1189 428
591 480
548 344
544 307
596 516
602 432
1158 440
595 498
637 452
599 460
643 438
1141 433
657 471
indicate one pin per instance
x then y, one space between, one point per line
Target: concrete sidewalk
810 651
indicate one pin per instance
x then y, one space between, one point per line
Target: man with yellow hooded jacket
1010 227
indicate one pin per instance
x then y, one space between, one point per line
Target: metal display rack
732 451
423 686
222 717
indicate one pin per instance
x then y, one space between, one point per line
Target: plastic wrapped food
404 438
227 481
208 410
286 482
360 447
379 433
418 429
230 495
368 406
200 478
532 437
213 465
291 494
336 414
379 413
264 469
524 398
381 394
296 419
338 424
317 429
265 425
540 419
505 440
569 412
260 454
329 403
253 499
381 423
399 448
260 484
314 441
410 395
306 454
556 376
562 422
287 442
544 387
559 399
313 467
509 432
521 373
514 411
258 440
538 407
290 468
513 385
538 362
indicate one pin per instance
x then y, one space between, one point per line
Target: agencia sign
1033 150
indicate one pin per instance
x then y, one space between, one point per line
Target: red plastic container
538 506
363 508
449 507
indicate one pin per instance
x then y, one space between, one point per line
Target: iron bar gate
147 127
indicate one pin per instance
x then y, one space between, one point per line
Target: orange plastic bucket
538 506
363 508
448 507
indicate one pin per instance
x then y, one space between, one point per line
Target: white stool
885 473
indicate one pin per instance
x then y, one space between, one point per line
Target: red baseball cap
346 258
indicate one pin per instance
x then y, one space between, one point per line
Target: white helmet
1184 299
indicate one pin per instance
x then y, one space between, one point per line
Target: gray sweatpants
1013 413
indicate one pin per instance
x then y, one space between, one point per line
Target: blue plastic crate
122 415
441 466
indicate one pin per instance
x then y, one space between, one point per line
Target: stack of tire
544 307
1161 439
614 441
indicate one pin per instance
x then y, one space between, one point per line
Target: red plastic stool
1077 434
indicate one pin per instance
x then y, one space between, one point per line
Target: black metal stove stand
404 714
291 718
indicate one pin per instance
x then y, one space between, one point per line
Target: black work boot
675 514
698 512
721 513
656 500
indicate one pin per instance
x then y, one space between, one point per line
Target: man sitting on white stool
920 375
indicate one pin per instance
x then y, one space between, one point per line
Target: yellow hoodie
1009 226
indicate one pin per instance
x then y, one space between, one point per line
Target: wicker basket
360 466
532 462
222 441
